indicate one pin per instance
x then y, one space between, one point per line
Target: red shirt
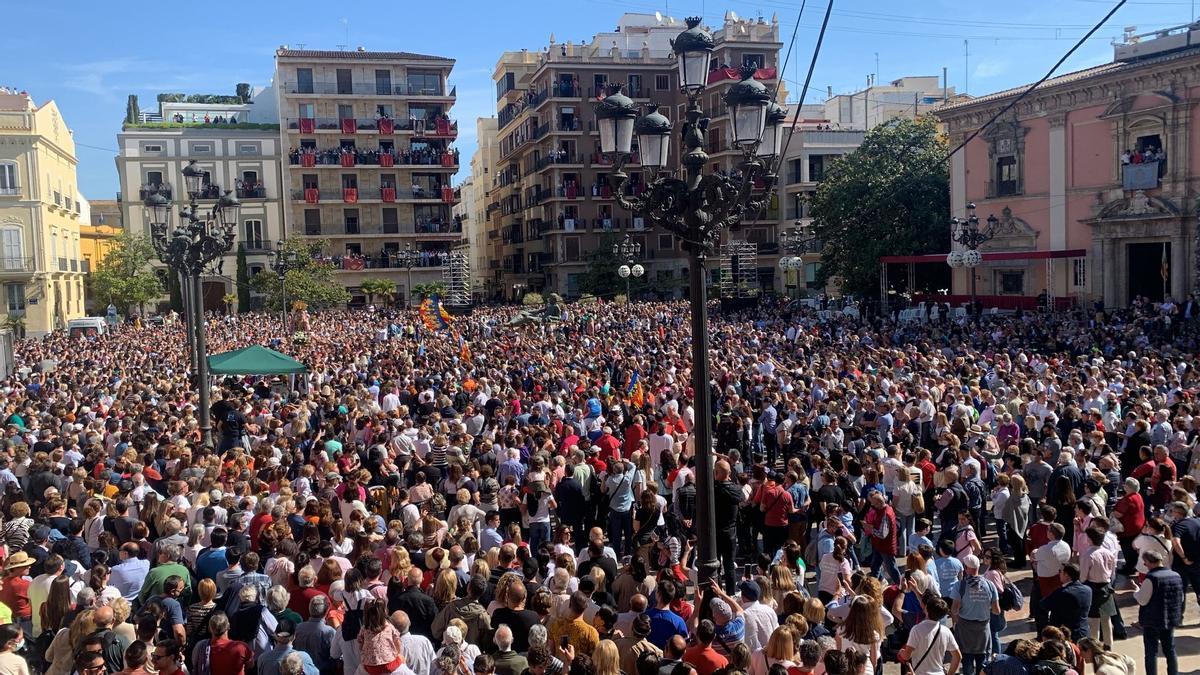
228 657
608 445
705 660
257 523
16 596
634 436
300 599
928 469
1039 535
778 505
1133 515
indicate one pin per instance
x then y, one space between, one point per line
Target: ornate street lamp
628 251
966 233
794 242
198 243
695 207
285 261
406 258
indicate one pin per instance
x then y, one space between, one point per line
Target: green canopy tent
256 360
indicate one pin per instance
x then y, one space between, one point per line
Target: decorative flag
633 380
464 350
637 397
433 314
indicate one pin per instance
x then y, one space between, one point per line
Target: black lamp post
794 242
629 251
285 261
966 232
191 248
406 258
695 207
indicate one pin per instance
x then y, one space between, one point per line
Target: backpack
974 490
918 502
37 651
352 622
1011 597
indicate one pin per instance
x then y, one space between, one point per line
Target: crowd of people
488 498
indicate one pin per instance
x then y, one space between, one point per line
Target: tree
124 277
423 291
373 287
132 112
891 196
242 281
243 92
312 283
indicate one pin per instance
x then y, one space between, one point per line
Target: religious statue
549 313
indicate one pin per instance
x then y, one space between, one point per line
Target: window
202 148
810 274
635 86
151 147
16 297
350 218
391 221
354 249
383 82
345 81
11 249
8 178
384 110
1012 282
254 235
307 111
154 178
571 249
506 84
816 168
1006 176
757 60
312 221
345 112
304 81
599 82
424 82
1079 272
248 149
662 82
666 242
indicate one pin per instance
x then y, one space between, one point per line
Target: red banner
353 264
389 194
447 159
733 74
448 195
312 195
308 160
387 125
350 195
349 125
307 125
348 159
387 159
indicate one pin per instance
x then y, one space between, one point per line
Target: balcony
557 158
382 260
365 89
148 189
424 226
250 191
14 191
382 125
16 266
722 74
349 158
1143 176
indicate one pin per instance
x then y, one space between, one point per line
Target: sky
89 56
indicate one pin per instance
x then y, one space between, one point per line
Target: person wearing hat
632 647
760 619
974 602
14 589
283 636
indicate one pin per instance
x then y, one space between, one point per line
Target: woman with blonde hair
195 544
445 588
862 631
121 613
61 654
781 649
606 659
783 582
499 597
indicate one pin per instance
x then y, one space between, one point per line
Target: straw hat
18 560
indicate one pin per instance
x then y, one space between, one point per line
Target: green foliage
15 323
532 298
313 282
242 281
200 125
132 111
374 287
175 290
620 299
587 299
425 290
124 278
229 299
891 196
243 92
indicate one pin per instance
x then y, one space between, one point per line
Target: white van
88 326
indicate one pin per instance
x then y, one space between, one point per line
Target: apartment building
471 209
907 97
40 208
549 204
369 159
237 145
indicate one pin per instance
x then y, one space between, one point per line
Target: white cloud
989 68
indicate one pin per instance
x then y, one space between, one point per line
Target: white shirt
934 638
761 621
1051 557
418 652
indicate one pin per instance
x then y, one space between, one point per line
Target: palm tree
423 291
373 287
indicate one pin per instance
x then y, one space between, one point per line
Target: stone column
1179 267
1108 271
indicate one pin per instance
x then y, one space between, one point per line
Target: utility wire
778 161
788 57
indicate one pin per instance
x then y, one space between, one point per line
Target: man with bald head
114 644
507 661
417 649
417 605
727 498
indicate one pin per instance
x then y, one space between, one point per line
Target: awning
256 360
997 256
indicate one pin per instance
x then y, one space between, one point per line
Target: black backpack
352 622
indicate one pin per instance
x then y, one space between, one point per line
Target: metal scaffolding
456 274
739 269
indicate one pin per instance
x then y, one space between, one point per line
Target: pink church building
1092 178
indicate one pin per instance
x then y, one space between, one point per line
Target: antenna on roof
300 45
346 35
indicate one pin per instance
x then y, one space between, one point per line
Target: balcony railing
16 265
251 191
148 189
367 89
383 260
422 226
1143 176
383 125
353 157
10 191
